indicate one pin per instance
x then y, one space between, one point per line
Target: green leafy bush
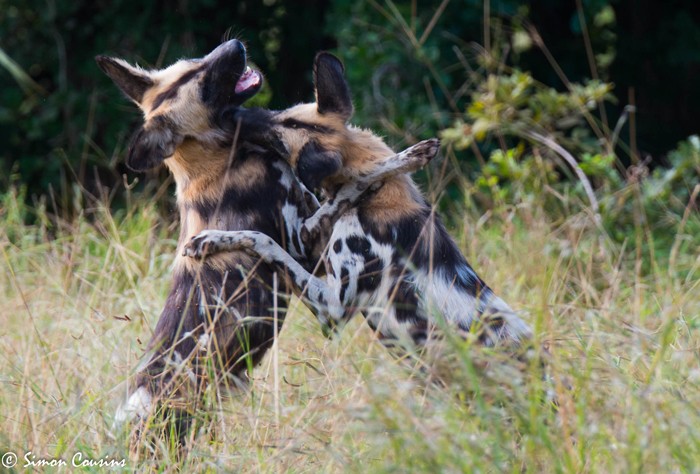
539 128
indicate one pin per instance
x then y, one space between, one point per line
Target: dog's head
315 137
189 99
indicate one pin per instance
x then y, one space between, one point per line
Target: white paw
138 405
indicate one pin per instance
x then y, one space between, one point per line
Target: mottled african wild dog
222 307
389 257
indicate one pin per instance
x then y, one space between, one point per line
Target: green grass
624 363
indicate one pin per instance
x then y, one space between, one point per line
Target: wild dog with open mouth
224 307
389 257
225 303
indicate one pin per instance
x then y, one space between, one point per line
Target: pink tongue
249 79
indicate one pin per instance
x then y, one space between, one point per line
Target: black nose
230 48
234 46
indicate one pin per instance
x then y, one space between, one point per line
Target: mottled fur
221 311
390 256
221 308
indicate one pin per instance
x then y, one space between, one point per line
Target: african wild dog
226 302
389 257
223 307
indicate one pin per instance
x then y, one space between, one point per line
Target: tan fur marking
295 140
363 150
147 103
246 176
194 159
302 112
211 185
397 199
191 224
163 80
194 117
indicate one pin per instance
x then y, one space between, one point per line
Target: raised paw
202 245
425 151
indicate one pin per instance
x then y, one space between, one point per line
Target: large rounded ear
152 143
315 164
332 90
132 81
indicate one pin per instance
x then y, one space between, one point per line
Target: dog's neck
201 178
196 169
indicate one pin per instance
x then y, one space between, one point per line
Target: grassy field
80 299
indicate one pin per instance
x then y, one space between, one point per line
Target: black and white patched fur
390 257
219 313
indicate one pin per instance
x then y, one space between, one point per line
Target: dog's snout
229 48
234 46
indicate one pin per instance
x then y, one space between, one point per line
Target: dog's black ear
152 143
132 81
332 90
315 164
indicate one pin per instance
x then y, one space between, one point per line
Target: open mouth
249 81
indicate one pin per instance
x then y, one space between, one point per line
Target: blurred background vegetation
535 100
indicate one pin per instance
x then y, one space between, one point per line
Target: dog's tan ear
315 164
332 90
150 146
132 81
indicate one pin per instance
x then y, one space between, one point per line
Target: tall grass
80 299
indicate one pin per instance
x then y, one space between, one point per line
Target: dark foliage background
63 122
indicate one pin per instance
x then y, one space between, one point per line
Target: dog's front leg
314 290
